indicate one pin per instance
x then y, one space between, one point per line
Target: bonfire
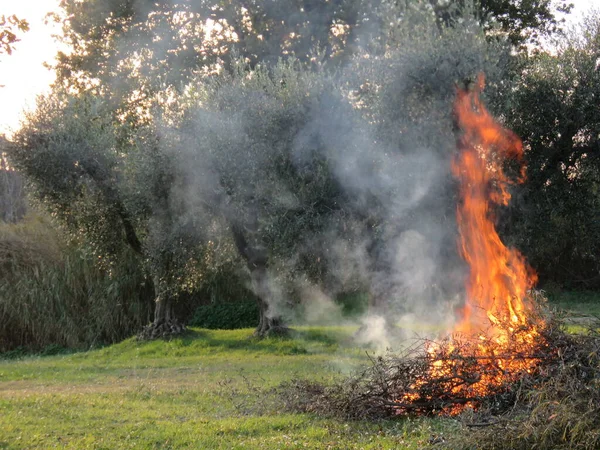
519 380
498 331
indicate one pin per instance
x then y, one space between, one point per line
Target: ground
203 390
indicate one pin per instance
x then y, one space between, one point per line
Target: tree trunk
378 313
256 261
269 324
165 323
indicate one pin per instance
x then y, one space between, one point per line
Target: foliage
176 39
9 26
69 153
406 96
521 22
354 304
13 205
291 155
553 108
53 294
132 51
226 315
117 193
158 142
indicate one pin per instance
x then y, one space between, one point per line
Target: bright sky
581 7
24 76
22 73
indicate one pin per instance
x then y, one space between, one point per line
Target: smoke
343 180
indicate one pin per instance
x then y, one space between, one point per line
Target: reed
55 294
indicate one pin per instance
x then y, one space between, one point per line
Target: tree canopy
555 111
304 146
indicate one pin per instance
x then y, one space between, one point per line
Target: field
208 389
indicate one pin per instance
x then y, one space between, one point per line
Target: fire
499 276
497 330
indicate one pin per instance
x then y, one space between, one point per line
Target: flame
499 276
496 331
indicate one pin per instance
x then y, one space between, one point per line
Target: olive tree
238 139
408 95
9 27
302 162
113 188
554 109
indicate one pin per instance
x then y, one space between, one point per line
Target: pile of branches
555 401
558 408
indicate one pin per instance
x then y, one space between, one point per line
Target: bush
226 316
353 304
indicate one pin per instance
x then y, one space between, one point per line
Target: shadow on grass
295 343
51 350
575 302
194 341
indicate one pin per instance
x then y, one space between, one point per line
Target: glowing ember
495 333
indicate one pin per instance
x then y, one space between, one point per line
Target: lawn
203 390
577 304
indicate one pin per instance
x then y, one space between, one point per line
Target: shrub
226 316
353 304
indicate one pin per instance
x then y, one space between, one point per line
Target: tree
12 202
238 141
519 21
289 168
12 192
555 111
179 193
161 44
139 47
307 163
112 188
408 95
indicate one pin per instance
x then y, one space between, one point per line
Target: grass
198 391
577 303
581 309
203 390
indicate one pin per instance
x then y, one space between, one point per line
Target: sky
24 75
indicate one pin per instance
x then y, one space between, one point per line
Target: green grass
581 309
202 390
198 391
577 303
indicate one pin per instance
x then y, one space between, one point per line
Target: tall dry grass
54 294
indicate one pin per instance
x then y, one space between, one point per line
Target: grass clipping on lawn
555 404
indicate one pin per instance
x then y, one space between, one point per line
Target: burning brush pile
507 363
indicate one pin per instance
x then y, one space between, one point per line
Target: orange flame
499 276
497 329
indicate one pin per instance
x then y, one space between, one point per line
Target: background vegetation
251 158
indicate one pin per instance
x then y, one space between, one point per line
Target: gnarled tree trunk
256 261
165 323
